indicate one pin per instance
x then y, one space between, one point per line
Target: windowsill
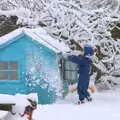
9 81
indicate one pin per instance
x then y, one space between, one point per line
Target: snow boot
81 102
89 99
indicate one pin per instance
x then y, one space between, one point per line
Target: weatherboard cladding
19 46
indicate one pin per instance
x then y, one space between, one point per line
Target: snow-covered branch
82 21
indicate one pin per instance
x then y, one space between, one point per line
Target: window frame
63 71
11 70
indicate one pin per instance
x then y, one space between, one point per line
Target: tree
77 22
87 22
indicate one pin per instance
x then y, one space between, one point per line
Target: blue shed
29 62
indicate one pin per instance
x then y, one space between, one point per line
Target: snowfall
105 106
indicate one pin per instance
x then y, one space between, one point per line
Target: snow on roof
38 34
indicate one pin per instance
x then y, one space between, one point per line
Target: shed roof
38 34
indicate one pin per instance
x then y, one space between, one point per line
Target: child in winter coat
84 63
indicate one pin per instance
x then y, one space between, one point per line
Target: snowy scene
59 59
105 106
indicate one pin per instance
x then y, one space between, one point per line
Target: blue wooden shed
29 62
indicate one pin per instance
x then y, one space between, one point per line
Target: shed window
8 70
69 71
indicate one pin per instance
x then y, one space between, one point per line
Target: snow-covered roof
38 34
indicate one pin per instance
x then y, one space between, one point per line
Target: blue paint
35 64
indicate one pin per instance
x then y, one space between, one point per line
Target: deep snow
105 106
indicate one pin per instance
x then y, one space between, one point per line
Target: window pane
3 75
3 65
13 75
70 65
71 75
67 65
13 65
67 75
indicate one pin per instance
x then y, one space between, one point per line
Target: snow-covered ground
105 106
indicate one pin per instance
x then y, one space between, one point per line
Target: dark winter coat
84 64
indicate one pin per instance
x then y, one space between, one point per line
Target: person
84 69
